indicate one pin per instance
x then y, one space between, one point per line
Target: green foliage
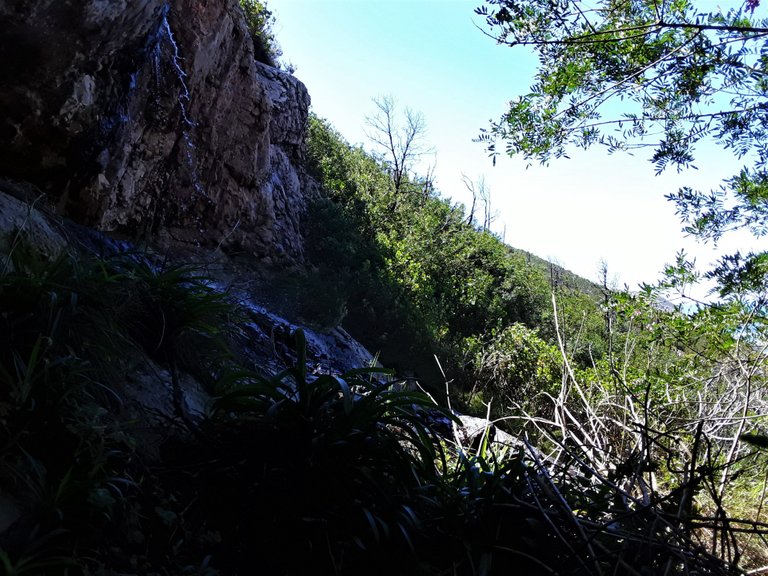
347 472
412 264
512 368
175 314
59 455
70 331
668 398
691 381
577 323
260 22
358 455
669 61
681 74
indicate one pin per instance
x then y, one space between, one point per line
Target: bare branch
402 141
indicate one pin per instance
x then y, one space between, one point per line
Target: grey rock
154 120
470 433
22 224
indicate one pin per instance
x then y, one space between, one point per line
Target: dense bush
514 369
260 22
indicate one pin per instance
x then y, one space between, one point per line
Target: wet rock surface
264 341
152 119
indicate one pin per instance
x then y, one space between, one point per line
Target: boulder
22 223
470 433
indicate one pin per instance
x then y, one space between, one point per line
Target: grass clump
336 465
71 330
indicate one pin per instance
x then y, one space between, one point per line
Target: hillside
193 270
413 279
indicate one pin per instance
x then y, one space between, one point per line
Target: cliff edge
152 120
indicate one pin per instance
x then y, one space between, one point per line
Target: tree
403 143
680 74
481 190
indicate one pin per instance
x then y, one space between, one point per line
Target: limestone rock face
152 119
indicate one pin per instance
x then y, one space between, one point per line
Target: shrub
513 366
260 21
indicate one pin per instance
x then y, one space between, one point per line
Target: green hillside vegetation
260 24
651 399
415 279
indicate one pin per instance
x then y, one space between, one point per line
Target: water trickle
112 124
165 36
123 109
165 33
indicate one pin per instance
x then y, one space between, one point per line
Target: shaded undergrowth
285 474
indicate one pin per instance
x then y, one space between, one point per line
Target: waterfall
166 33
165 36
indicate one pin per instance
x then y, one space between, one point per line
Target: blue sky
431 56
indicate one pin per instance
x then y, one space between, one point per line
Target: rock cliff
152 119
156 414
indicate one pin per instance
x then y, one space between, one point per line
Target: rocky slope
153 120
150 122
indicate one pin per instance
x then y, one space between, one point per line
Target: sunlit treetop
655 74
683 75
